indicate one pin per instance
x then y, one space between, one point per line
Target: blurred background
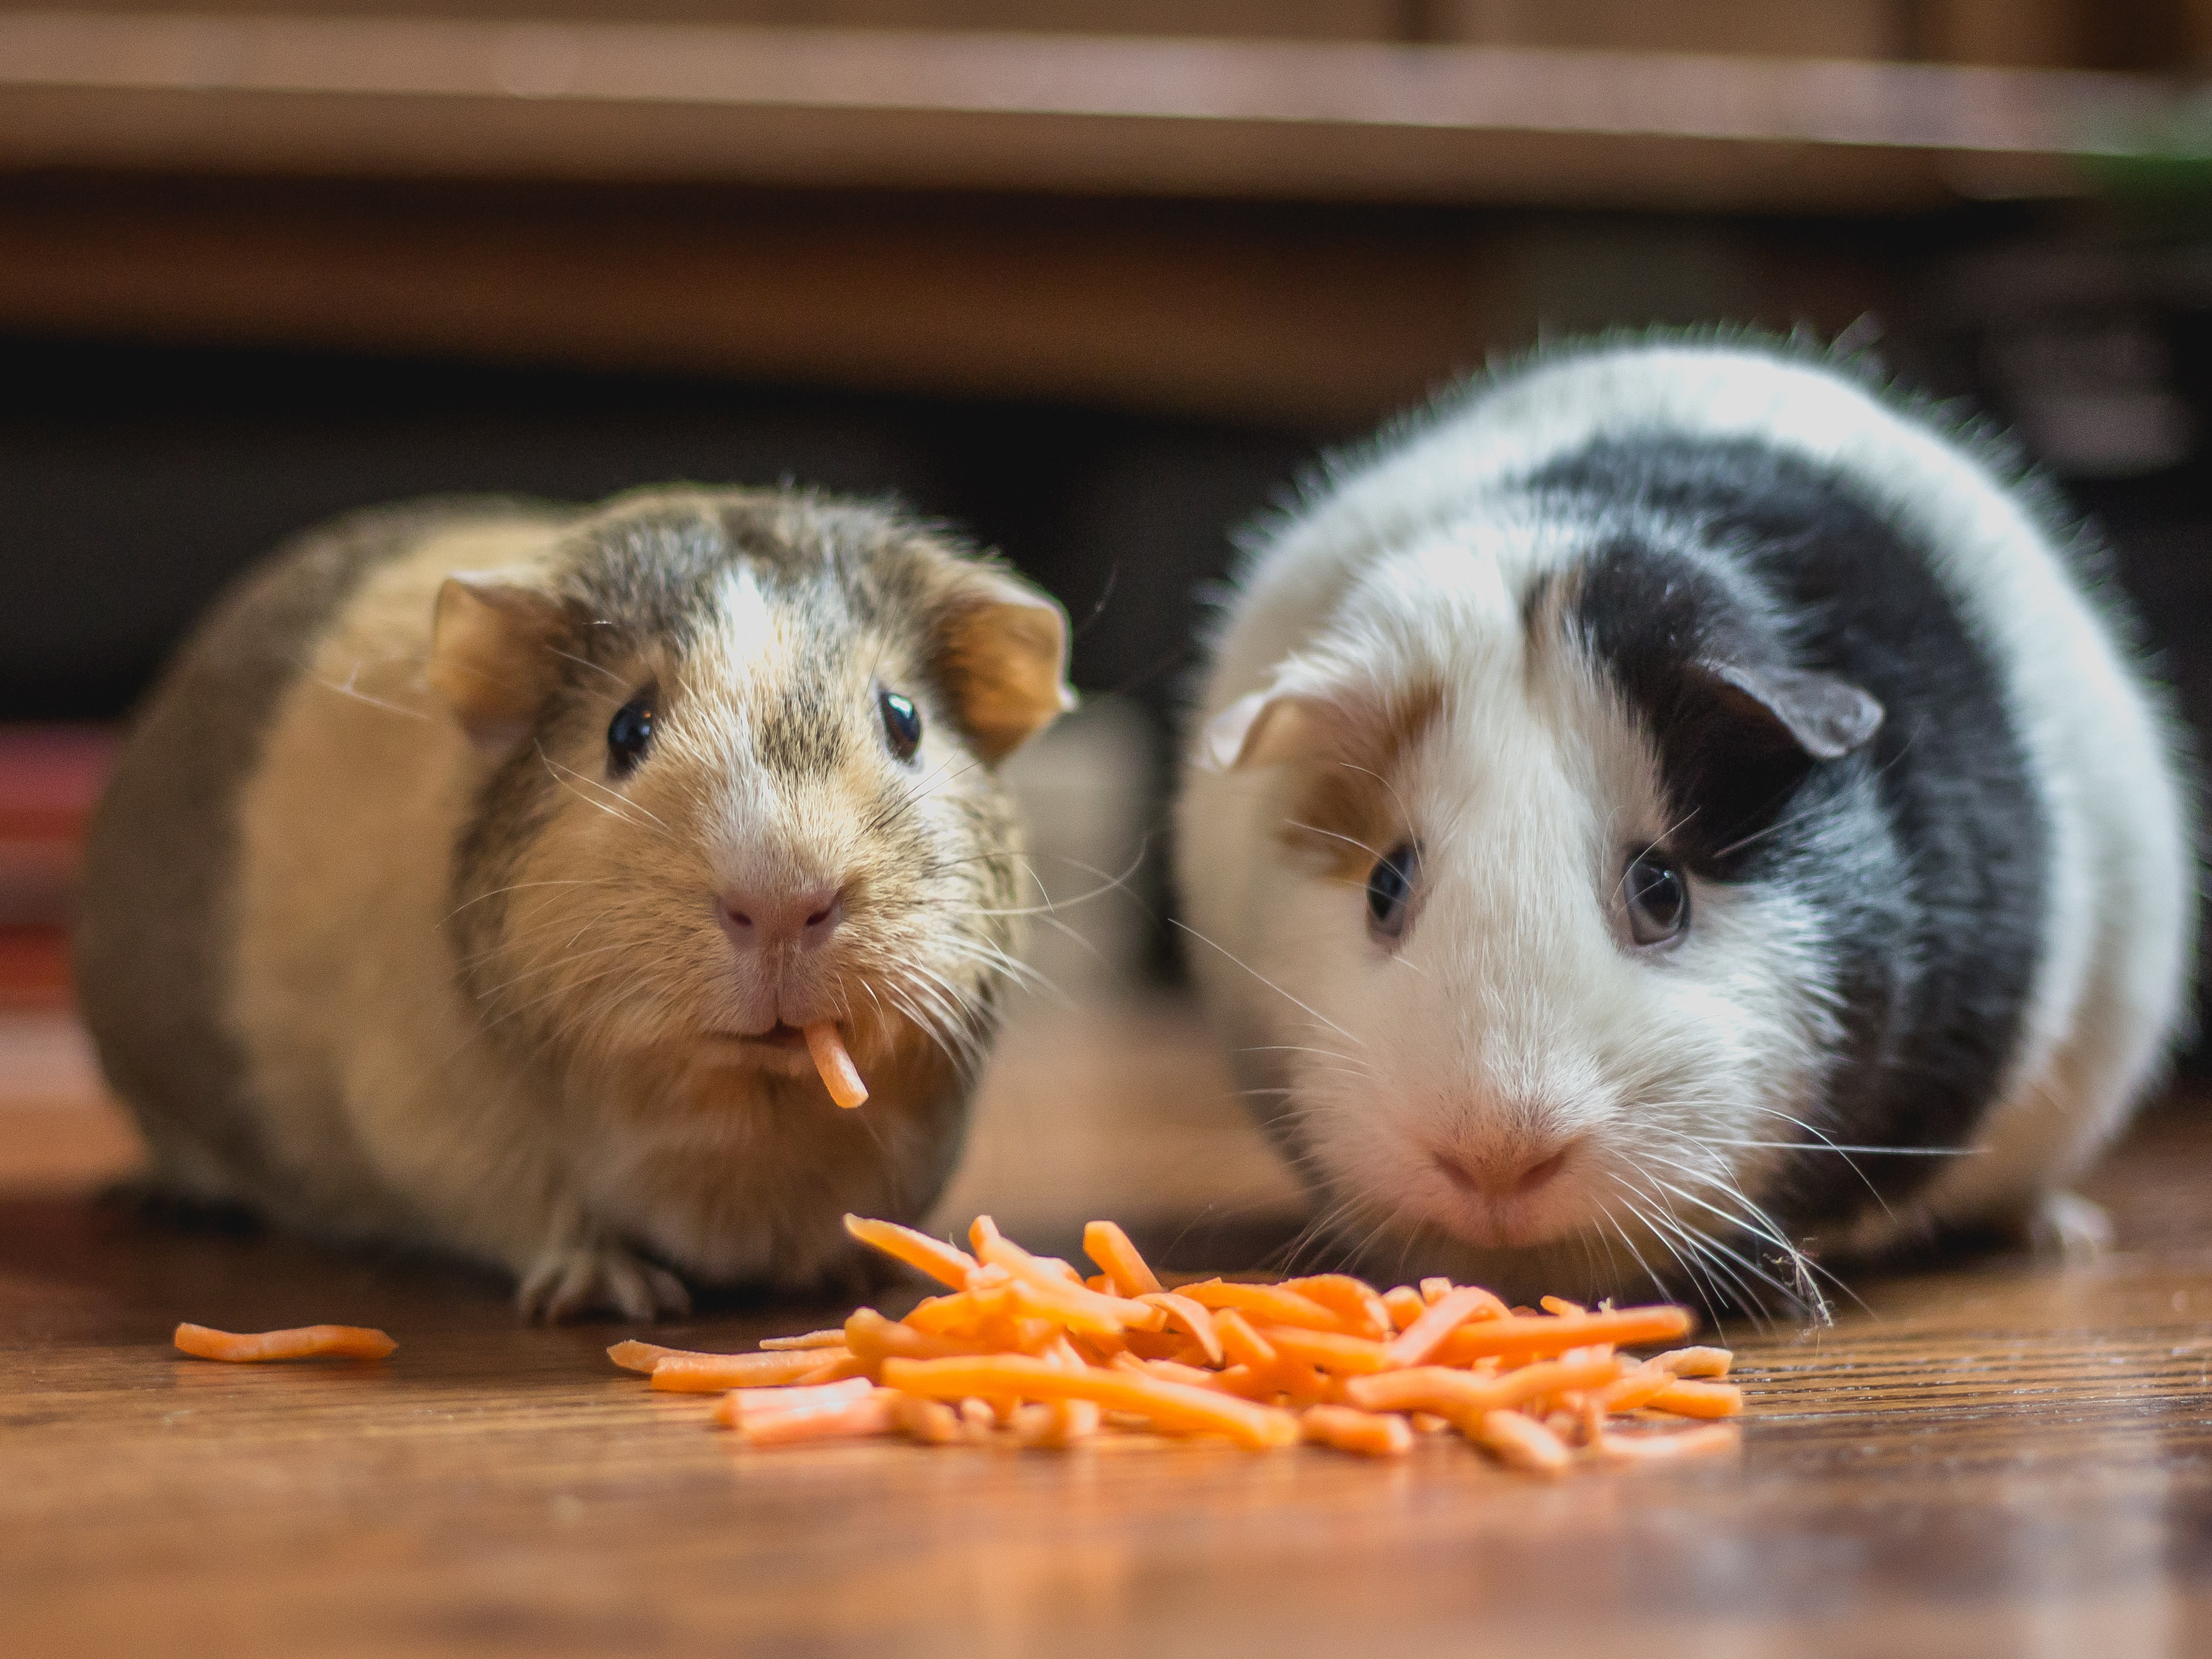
1094 280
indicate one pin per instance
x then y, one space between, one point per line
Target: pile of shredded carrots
1024 1350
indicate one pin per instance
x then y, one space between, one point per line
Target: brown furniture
1993 1461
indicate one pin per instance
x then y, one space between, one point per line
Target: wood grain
1309 119
1995 1460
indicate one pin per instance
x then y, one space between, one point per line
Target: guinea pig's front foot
2067 1227
575 1277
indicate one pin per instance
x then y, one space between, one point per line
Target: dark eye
1658 898
1390 890
629 733
902 724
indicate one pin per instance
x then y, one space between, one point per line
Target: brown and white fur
1716 617
383 938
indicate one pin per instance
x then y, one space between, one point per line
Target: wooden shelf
1267 119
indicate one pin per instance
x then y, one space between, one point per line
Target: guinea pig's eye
629 733
1390 890
1658 898
902 724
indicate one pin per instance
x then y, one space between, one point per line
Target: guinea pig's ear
488 656
1002 653
1263 729
1823 717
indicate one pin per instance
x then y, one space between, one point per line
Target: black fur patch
1924 851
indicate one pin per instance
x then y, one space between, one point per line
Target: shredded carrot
947 1263
710 1373
1652 1447
1539 1336
1023 1351
1522 1443
838 1075
1404 1304
1269 1302
1699 1400
1109 1246
1169 1407
1693 1362
1375 1434
1055 1423
1193 1317
1636 1388
1451 1393
635 1356
1327 1349
1443 1315
831 1419
930 1421
1241 1344
733 1407
1051 1277
1352 1300
842 1366
300 1342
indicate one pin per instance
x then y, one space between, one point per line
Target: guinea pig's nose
1518 1171
758 919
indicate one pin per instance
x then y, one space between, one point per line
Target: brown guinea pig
468 879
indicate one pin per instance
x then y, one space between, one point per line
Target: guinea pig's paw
569 1279
2068 1227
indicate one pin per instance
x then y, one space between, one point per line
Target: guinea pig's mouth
780 1036
781 1048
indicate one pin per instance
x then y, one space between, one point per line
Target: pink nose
1520 1171
762 918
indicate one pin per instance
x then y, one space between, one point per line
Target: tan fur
1346 812
478 990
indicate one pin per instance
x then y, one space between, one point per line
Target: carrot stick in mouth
838 1075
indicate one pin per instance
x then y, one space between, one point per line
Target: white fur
1512 1005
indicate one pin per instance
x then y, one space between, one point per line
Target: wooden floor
1995 1460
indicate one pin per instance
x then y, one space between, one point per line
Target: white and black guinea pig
1676 813
470 877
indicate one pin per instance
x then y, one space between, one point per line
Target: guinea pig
470 877
1677 814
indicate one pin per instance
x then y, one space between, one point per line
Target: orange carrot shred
711 1373
1109 1246
1192 1317
635 1356
946 1263
1241 1344
1375 1435
836 1420
298 1342
1693 1362
838 1075
1352 1300
1522 1443
1699 1400
1404 1304
733 1407
1443 1315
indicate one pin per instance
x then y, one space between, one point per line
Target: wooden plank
1323 319
1329 320
1310 120
1987 1460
